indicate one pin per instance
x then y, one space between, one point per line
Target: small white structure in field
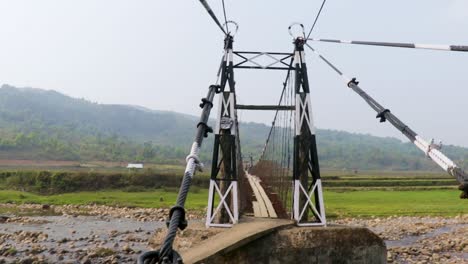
135 166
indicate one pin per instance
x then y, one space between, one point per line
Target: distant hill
31 109
42 124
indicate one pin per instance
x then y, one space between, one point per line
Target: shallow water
411 240
82 233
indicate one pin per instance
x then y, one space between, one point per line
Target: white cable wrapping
193 161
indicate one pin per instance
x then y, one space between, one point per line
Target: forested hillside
41 125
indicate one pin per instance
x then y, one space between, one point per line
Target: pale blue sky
164 54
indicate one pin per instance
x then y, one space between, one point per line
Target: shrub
47 182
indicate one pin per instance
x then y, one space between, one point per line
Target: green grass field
338 204
157 198
388 203
347 194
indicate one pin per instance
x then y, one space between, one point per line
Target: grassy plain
347 194
391 203
148 199
338 204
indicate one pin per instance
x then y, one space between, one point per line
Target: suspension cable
288 75
460 48
213 16
225 17
431 150
177 218
273 166
316 18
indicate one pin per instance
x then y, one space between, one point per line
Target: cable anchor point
154 257
182 222
235 25
199 166
297 34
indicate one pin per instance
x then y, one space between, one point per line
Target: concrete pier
275 241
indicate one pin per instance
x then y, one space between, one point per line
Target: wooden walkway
262 207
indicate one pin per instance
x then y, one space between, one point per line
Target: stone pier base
310 245
290 244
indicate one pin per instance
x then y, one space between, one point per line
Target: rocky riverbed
102 234
420 239
78 234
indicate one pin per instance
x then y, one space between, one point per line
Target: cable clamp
199 165
194 157
208 129
404 129
182 221
154 257
434 145
381 115
353 81
205 101
216 87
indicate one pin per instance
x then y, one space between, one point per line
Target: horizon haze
150 53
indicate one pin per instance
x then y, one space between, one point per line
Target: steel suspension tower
226 160
307 193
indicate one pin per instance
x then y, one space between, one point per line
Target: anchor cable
316 18
459 48
431 150
225 18
212 15
177 219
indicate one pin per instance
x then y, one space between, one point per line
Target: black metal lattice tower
307 192
226 162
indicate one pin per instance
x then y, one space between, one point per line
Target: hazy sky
164 54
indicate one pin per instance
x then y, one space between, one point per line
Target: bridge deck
248 230
263 206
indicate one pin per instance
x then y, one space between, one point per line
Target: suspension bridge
285 183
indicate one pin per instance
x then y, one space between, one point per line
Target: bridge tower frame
307 199
307 196
226 153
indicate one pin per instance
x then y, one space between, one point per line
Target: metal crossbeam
300 210
250 60
233 212
267 107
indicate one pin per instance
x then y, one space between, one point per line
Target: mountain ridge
46 124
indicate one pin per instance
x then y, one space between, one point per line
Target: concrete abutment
286 243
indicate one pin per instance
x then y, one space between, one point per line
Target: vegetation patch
54 182
150 199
